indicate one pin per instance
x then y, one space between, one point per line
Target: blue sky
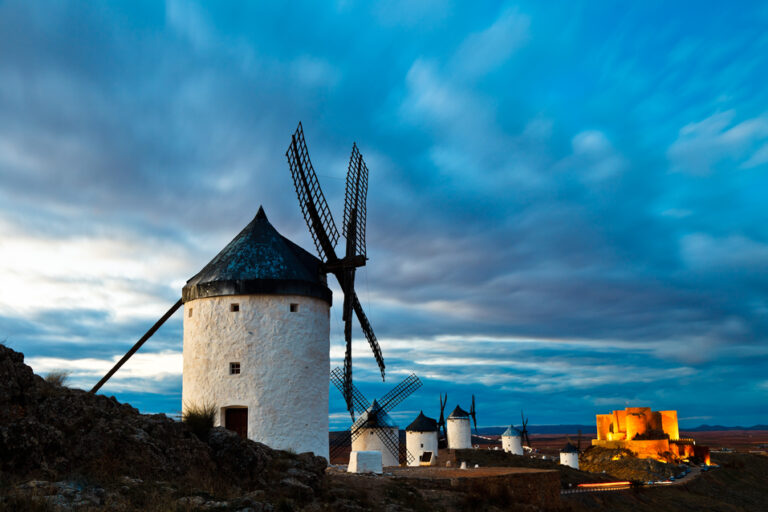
567 201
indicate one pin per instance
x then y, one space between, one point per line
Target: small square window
190 313
294 308
234 368
234 307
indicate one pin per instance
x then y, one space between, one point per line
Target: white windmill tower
511 441
569 456
375 431
420 439
458 430
256 322
256 340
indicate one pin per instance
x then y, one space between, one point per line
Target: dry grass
57 377
199 418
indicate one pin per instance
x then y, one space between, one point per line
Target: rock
52 432
295 488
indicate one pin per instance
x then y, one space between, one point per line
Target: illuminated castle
647 433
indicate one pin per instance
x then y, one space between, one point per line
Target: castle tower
256 340
458 430
511 442
421 437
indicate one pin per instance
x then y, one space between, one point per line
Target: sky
566 209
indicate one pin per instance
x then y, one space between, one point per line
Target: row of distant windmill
256 334
375 430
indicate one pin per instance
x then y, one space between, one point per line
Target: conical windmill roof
569 448
422 424
374 417
511 432
458 412
259 260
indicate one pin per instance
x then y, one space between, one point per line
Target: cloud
702 146
522 213
484 51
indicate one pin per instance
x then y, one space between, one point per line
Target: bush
57 377
199 418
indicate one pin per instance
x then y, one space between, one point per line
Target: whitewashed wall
569 459
419 442
284 365
459 433
370 440
512 444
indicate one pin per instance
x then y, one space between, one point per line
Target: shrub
199 418
57 377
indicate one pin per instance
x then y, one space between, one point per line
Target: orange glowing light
605 484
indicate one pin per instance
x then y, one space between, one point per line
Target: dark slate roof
422 424
374 417
458 412
259 260
569 448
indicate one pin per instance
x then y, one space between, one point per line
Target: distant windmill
458 430
441 421
325 235
524 430
374 416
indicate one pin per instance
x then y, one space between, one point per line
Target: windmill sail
325 235
400 393
354 202
313 204
359 402
365 325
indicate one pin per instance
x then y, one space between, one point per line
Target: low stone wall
500 486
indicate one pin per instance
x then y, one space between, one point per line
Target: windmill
524 430
325 235
458 428
441 421
373 416
473 414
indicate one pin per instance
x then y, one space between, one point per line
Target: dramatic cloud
566 205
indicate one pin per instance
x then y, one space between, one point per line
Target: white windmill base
365 462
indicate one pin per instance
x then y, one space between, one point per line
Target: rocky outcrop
49 433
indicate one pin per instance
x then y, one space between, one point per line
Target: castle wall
604 425
636 424
669 424
284 365
619 421
643 449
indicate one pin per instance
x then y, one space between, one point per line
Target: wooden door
237 421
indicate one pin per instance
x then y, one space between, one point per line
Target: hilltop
69 447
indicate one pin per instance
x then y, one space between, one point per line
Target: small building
421 440
511 441
569 456
374 430
256 340
458 429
